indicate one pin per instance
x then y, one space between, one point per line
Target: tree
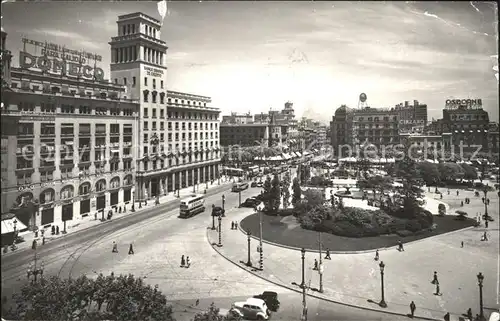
213 314
286 190
267 193
429 172
407 170
105 298
275 195
470 173
450 171
297 192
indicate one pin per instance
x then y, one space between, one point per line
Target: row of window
190 126
29 107
66 90
189 136
385 118
175 161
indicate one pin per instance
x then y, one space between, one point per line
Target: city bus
253 170
234 172
191 206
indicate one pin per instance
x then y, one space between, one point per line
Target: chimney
406 103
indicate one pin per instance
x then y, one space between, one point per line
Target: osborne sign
469 103
62 61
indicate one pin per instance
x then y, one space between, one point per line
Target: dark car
254 184
271 299
250 202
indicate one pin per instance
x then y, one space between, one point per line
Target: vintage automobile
250 202
271 299
252 308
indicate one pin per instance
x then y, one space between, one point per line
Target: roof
254 301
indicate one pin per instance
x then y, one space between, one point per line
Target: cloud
75 37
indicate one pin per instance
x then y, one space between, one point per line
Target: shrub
404 233
413 225
441 209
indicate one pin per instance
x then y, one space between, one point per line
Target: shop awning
8 225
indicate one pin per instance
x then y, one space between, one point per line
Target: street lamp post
249 234
485 191
320 269
261 251
480 279
239 198
220 231
303 286
35 270
382 302
223 202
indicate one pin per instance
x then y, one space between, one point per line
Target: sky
252 56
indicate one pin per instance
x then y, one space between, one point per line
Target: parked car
271 299
252 308
250 202
254 184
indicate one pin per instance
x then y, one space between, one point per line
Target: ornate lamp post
34 270
223 202
382 302
249 234
480 279
303 286
220 231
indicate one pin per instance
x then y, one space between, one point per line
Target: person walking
482 199
315 264
462 244
327 256
412 309
376 255
115 248
469 314
438 292
183 261
235 225
400 246
435 278
188 263
458 193
131 249
462 203
232 225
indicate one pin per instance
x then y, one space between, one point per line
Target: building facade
69 146
75 144
412 118
234 118
178 139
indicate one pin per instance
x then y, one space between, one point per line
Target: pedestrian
188 264
53 230
482 199
447 316
232 225
197 302
315 264
435 278
462 244
235 225
43 240
412 308
469 314
327 257
131 249
376 255
458 193
400 246
438 292
441 196
486 223
462 203
183 261
33 245
57 230
115 247
484 237
487 201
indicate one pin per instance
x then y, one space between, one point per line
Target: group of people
234 225
185 262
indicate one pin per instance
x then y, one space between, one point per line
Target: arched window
128 180
67 192
100 185
47 196
84 189
24 198
115 182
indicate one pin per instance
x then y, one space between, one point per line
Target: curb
137 211
308 294
351 252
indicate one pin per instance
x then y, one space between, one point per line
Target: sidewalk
81 223
355 279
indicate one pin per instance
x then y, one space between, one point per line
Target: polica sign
58 66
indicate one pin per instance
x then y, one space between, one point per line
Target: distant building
234 118
412 118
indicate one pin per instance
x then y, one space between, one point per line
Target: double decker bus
191 206
238 172
253 170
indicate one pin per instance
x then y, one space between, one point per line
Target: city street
318 310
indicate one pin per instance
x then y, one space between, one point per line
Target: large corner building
75 144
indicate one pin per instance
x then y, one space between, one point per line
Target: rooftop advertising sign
60 60
469 103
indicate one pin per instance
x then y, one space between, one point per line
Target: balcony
67 134
100 133
26 134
